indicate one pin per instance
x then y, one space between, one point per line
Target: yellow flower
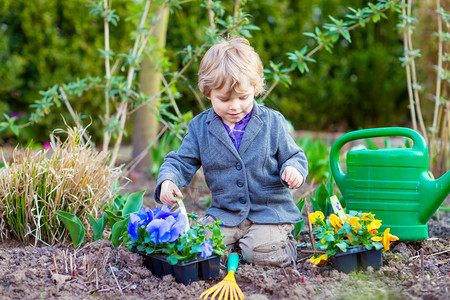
316 217
336 222
388 238
367 216
373 226
377 238
318 260
354 222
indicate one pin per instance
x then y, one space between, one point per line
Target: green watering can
394 184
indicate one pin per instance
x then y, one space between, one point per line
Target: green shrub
73 178
358 84
47 42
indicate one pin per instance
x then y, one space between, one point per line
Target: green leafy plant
73 178
356 230
162 231
73 225
320 201
325 38
298 226
116 215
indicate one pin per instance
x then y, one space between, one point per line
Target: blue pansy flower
166 230
155 227
164 212
133 226
165 235
177 228
146 215
207 249
142 217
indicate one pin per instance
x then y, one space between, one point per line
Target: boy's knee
274 254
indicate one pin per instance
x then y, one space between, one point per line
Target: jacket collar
217 129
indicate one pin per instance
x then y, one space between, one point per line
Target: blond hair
233 61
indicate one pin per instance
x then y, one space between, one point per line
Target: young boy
249 159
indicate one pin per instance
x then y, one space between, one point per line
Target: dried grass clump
5 154
71 177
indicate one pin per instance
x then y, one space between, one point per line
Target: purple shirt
238 131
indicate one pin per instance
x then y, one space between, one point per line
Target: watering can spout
433 193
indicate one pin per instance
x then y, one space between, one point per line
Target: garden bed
97 269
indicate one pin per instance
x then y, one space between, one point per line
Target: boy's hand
168 191
292 177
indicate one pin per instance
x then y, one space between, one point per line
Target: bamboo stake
414 78
211 16
310 233
438 75
407 67
107 135
421 262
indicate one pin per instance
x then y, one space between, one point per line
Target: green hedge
361 84
48 42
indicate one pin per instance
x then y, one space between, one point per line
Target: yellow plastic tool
227 289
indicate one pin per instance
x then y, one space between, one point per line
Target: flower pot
159 266
347 261
209 267
153 266
358 259
371 258
184 272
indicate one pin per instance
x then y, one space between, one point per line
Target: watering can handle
339 176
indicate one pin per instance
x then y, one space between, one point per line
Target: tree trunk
145 120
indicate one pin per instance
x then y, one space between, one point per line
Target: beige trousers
261 244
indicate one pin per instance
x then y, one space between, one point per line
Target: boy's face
231 106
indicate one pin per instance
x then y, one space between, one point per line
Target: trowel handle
339 176
233 261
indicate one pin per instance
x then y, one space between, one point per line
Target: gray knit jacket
244 184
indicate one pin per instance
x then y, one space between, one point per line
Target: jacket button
242 200
240 183
238 166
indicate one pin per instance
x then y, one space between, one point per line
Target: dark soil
98 270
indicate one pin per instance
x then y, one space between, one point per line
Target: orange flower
367 216
318 260
388 238
353 221
336 222
316 217
373 226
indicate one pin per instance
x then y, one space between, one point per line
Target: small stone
257 297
